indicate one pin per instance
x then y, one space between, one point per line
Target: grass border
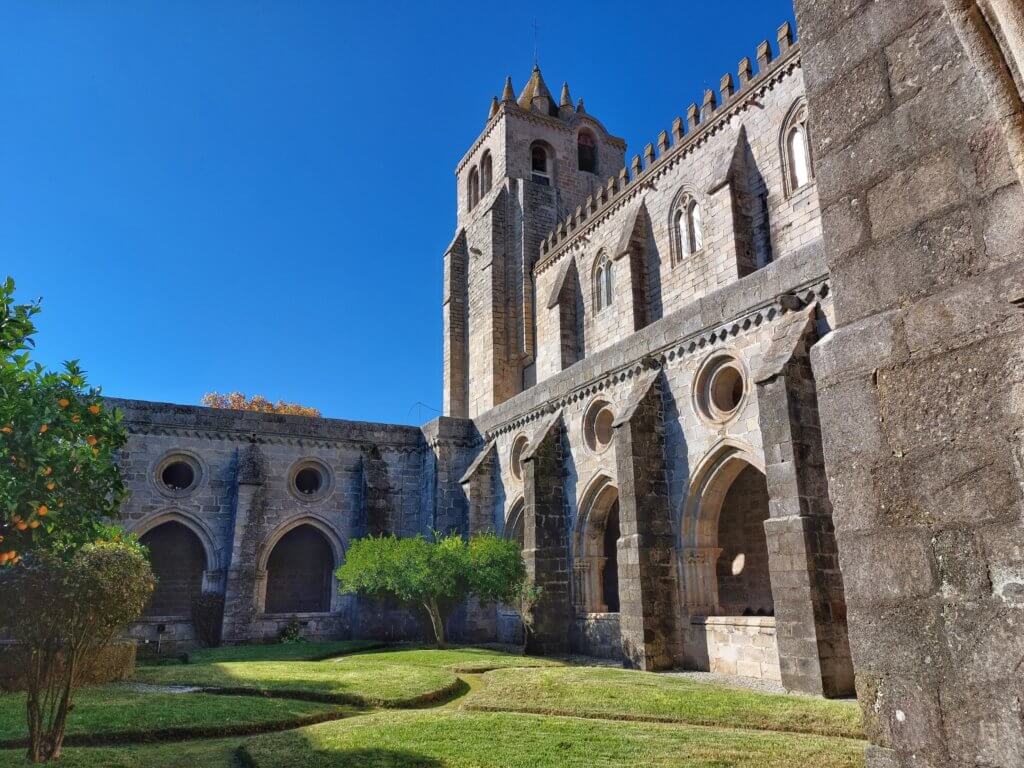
186 733
652 719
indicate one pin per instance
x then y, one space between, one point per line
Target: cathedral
749 400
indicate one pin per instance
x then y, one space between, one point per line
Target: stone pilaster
478 485
807 587
243 581
546 537
647 577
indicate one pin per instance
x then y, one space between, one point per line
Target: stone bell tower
535 162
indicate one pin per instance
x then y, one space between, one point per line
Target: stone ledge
765 622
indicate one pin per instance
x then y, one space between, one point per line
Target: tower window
472 189
796 151
603 283
800 172
540 172
486 171
586 150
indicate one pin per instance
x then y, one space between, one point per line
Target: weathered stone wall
734 645
730 157
244 500
917 116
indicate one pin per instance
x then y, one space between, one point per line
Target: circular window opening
178 475
718 389
597 425
519 447
308 481
726 389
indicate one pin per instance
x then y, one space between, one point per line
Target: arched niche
700 523
295 570
595 548
181 563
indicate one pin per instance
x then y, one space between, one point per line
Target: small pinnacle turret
494 107
566 100
579 107
508 94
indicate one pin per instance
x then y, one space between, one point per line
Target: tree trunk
438 623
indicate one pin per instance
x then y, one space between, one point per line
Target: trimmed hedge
113 662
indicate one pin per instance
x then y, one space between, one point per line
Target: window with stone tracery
603 283
796 150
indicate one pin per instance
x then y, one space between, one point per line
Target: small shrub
292 632
63 611
207 618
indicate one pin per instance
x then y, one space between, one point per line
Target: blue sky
256 196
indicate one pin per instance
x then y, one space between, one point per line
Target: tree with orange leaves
237 401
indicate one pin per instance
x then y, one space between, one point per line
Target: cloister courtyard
354 703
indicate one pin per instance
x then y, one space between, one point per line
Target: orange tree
58 480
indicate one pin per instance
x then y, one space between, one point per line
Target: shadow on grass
297 751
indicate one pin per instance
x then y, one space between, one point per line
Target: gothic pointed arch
686 225
795 148
296 566
183 558
595 547
698 527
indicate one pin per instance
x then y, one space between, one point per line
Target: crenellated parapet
686 136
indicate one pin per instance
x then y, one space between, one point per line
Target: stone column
647 574
912 108
546 537
242 583
807 587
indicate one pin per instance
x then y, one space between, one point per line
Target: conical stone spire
537 90
494 108
566 100
508 94
579 107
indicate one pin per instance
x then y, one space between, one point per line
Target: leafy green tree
437 575
58 480
64 608
413 570
497 573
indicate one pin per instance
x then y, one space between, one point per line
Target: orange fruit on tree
91 440
75 419
34 524
94 409
22 526
63 402
8 429
43 428
42 511
50 486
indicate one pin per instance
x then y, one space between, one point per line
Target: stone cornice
670 353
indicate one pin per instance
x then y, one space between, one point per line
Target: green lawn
214 753
107 709
518 713
280 651
376 678
623 694
460 739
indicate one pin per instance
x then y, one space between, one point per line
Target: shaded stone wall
920 384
